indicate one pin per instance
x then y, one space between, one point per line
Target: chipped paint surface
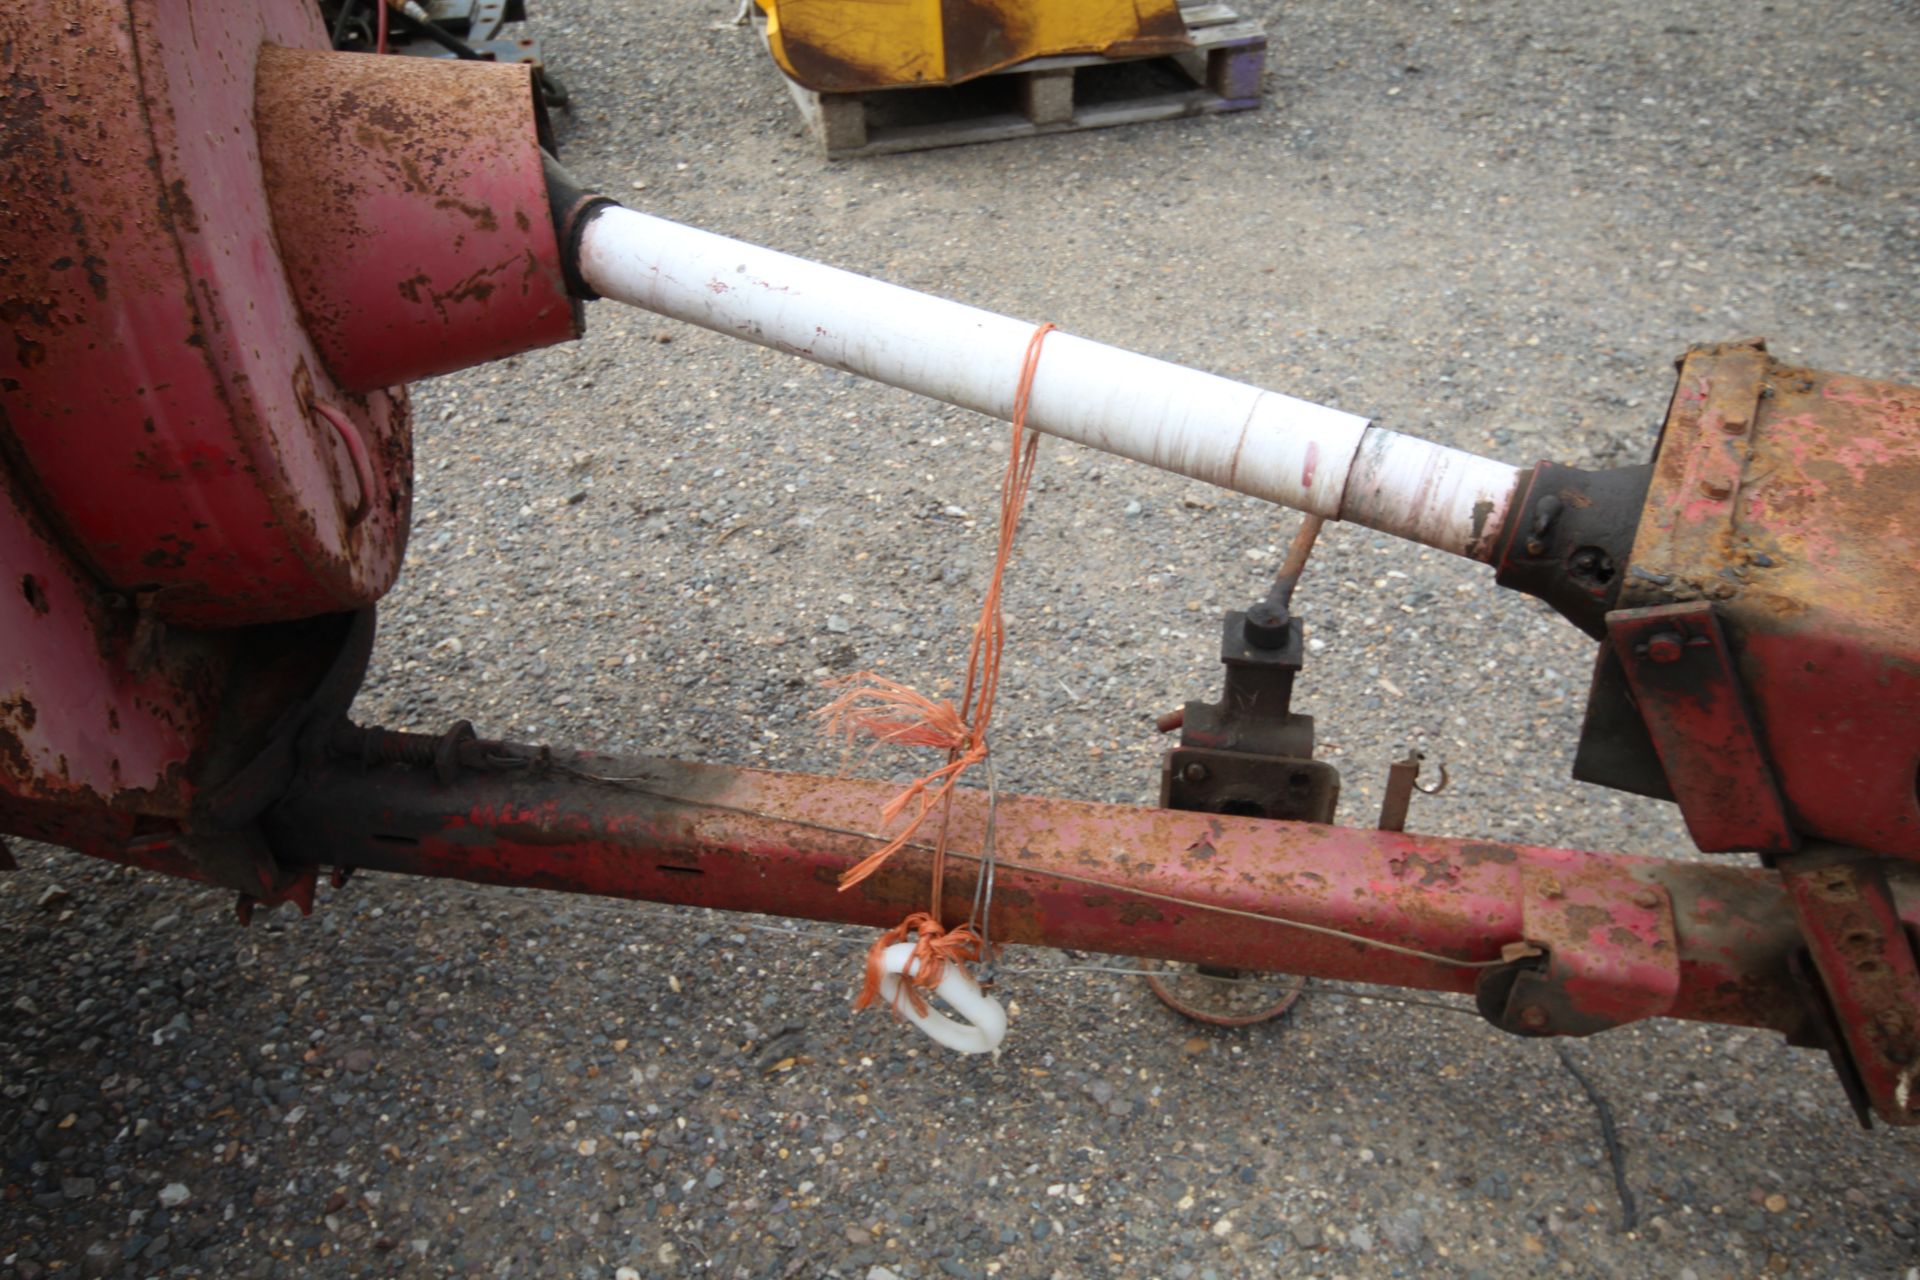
409 207
1864 954
1785 497
1429 493
80 728
1086 876
149 348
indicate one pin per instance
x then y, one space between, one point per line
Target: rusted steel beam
1866 962
1080 875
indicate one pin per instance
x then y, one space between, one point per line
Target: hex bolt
1668 646
1534 1018
1591 563
1195 773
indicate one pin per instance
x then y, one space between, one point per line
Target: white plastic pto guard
1272 446
986 1024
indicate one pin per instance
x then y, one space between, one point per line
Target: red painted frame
1638 937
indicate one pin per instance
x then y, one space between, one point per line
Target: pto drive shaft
1298 454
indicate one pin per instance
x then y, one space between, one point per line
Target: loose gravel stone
1492 225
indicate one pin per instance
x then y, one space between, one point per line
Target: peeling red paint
1808 565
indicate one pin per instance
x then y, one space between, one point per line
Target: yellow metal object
845 46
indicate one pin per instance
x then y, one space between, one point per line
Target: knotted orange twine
890 712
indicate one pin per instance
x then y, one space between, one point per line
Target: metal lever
1403 779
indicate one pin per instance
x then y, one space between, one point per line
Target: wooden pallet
1048 95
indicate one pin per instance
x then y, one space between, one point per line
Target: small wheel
1225 997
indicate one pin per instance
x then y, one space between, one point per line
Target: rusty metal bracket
1250 753
1683 679
1866 962
1291 788
1601 951
1777 497
1251 756
1398 798
1261 650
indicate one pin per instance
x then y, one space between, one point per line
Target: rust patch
180 208
825 72
1204 850
19 709
482 216
981 35
476 287
1162 30
1482 511
14 753
1432 871
1586 918
1475 854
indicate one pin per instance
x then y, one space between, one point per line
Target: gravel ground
1494 224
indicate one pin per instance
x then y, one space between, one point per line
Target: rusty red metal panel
410 210
1785 498
1865 958
116 730
159 388
1689 694
79 722
1613 952
1072 874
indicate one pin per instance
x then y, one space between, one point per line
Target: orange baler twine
888 711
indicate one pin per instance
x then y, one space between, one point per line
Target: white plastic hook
986 1024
